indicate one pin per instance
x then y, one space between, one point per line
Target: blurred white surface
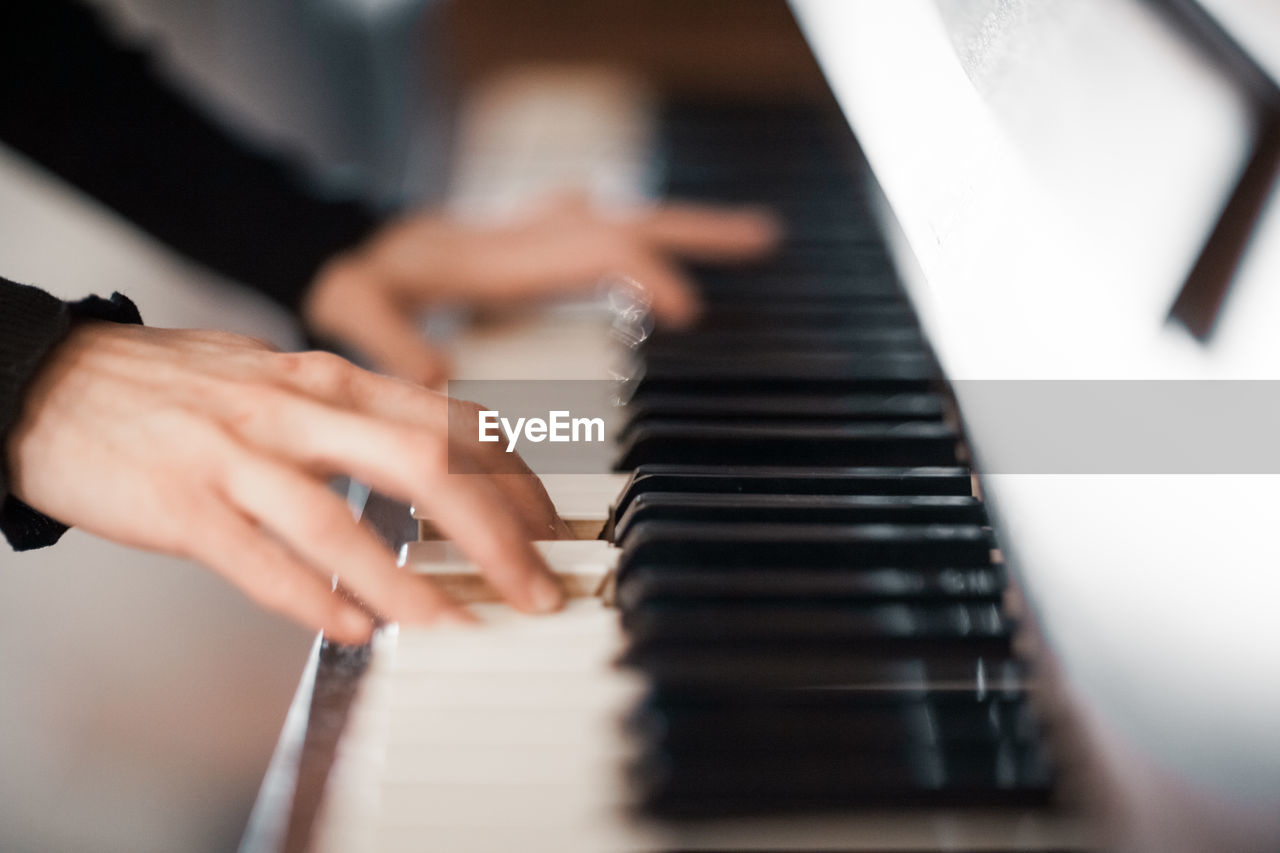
354 87
1055 167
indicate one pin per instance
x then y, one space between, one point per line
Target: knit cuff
33 324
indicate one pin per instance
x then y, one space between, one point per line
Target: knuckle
464 415
252 405
466 408
318 370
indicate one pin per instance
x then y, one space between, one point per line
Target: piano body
907 547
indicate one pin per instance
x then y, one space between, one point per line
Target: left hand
369 298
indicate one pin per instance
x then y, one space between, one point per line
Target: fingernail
546 594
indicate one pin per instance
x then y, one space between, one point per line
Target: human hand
212 446
369 298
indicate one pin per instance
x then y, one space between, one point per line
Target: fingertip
435 377
770 230
679 314
351 626
545 593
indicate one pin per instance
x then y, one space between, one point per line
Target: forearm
97 115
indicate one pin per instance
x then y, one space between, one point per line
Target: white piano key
581 565
602 837
497 803
564 763
420 731
478 691
584 500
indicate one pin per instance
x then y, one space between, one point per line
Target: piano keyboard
800 641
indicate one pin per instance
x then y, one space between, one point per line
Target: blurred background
141 695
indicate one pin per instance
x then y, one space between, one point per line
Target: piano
822 599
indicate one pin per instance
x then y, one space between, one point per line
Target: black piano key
781 341
799 509
793 666
725 356
883 664
878 583
749 720
828 260
774 480
707 785
788 443
811 407
891 306
864 315
873 374
975 626
764 280
679 543
786 352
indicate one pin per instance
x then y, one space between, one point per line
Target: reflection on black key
800 509
700 785
976 625
799 373
774 480
678 543
749 408
785 342
897 664
873 583
749 720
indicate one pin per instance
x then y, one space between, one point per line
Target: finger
335 380
276 579
484 524
509 473
672 297
408 463
317 526
384 331
706 232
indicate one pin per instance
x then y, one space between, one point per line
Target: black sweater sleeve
31 323
97 115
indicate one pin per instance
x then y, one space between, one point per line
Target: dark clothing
96 114
31 323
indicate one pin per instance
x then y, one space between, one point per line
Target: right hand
212 446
